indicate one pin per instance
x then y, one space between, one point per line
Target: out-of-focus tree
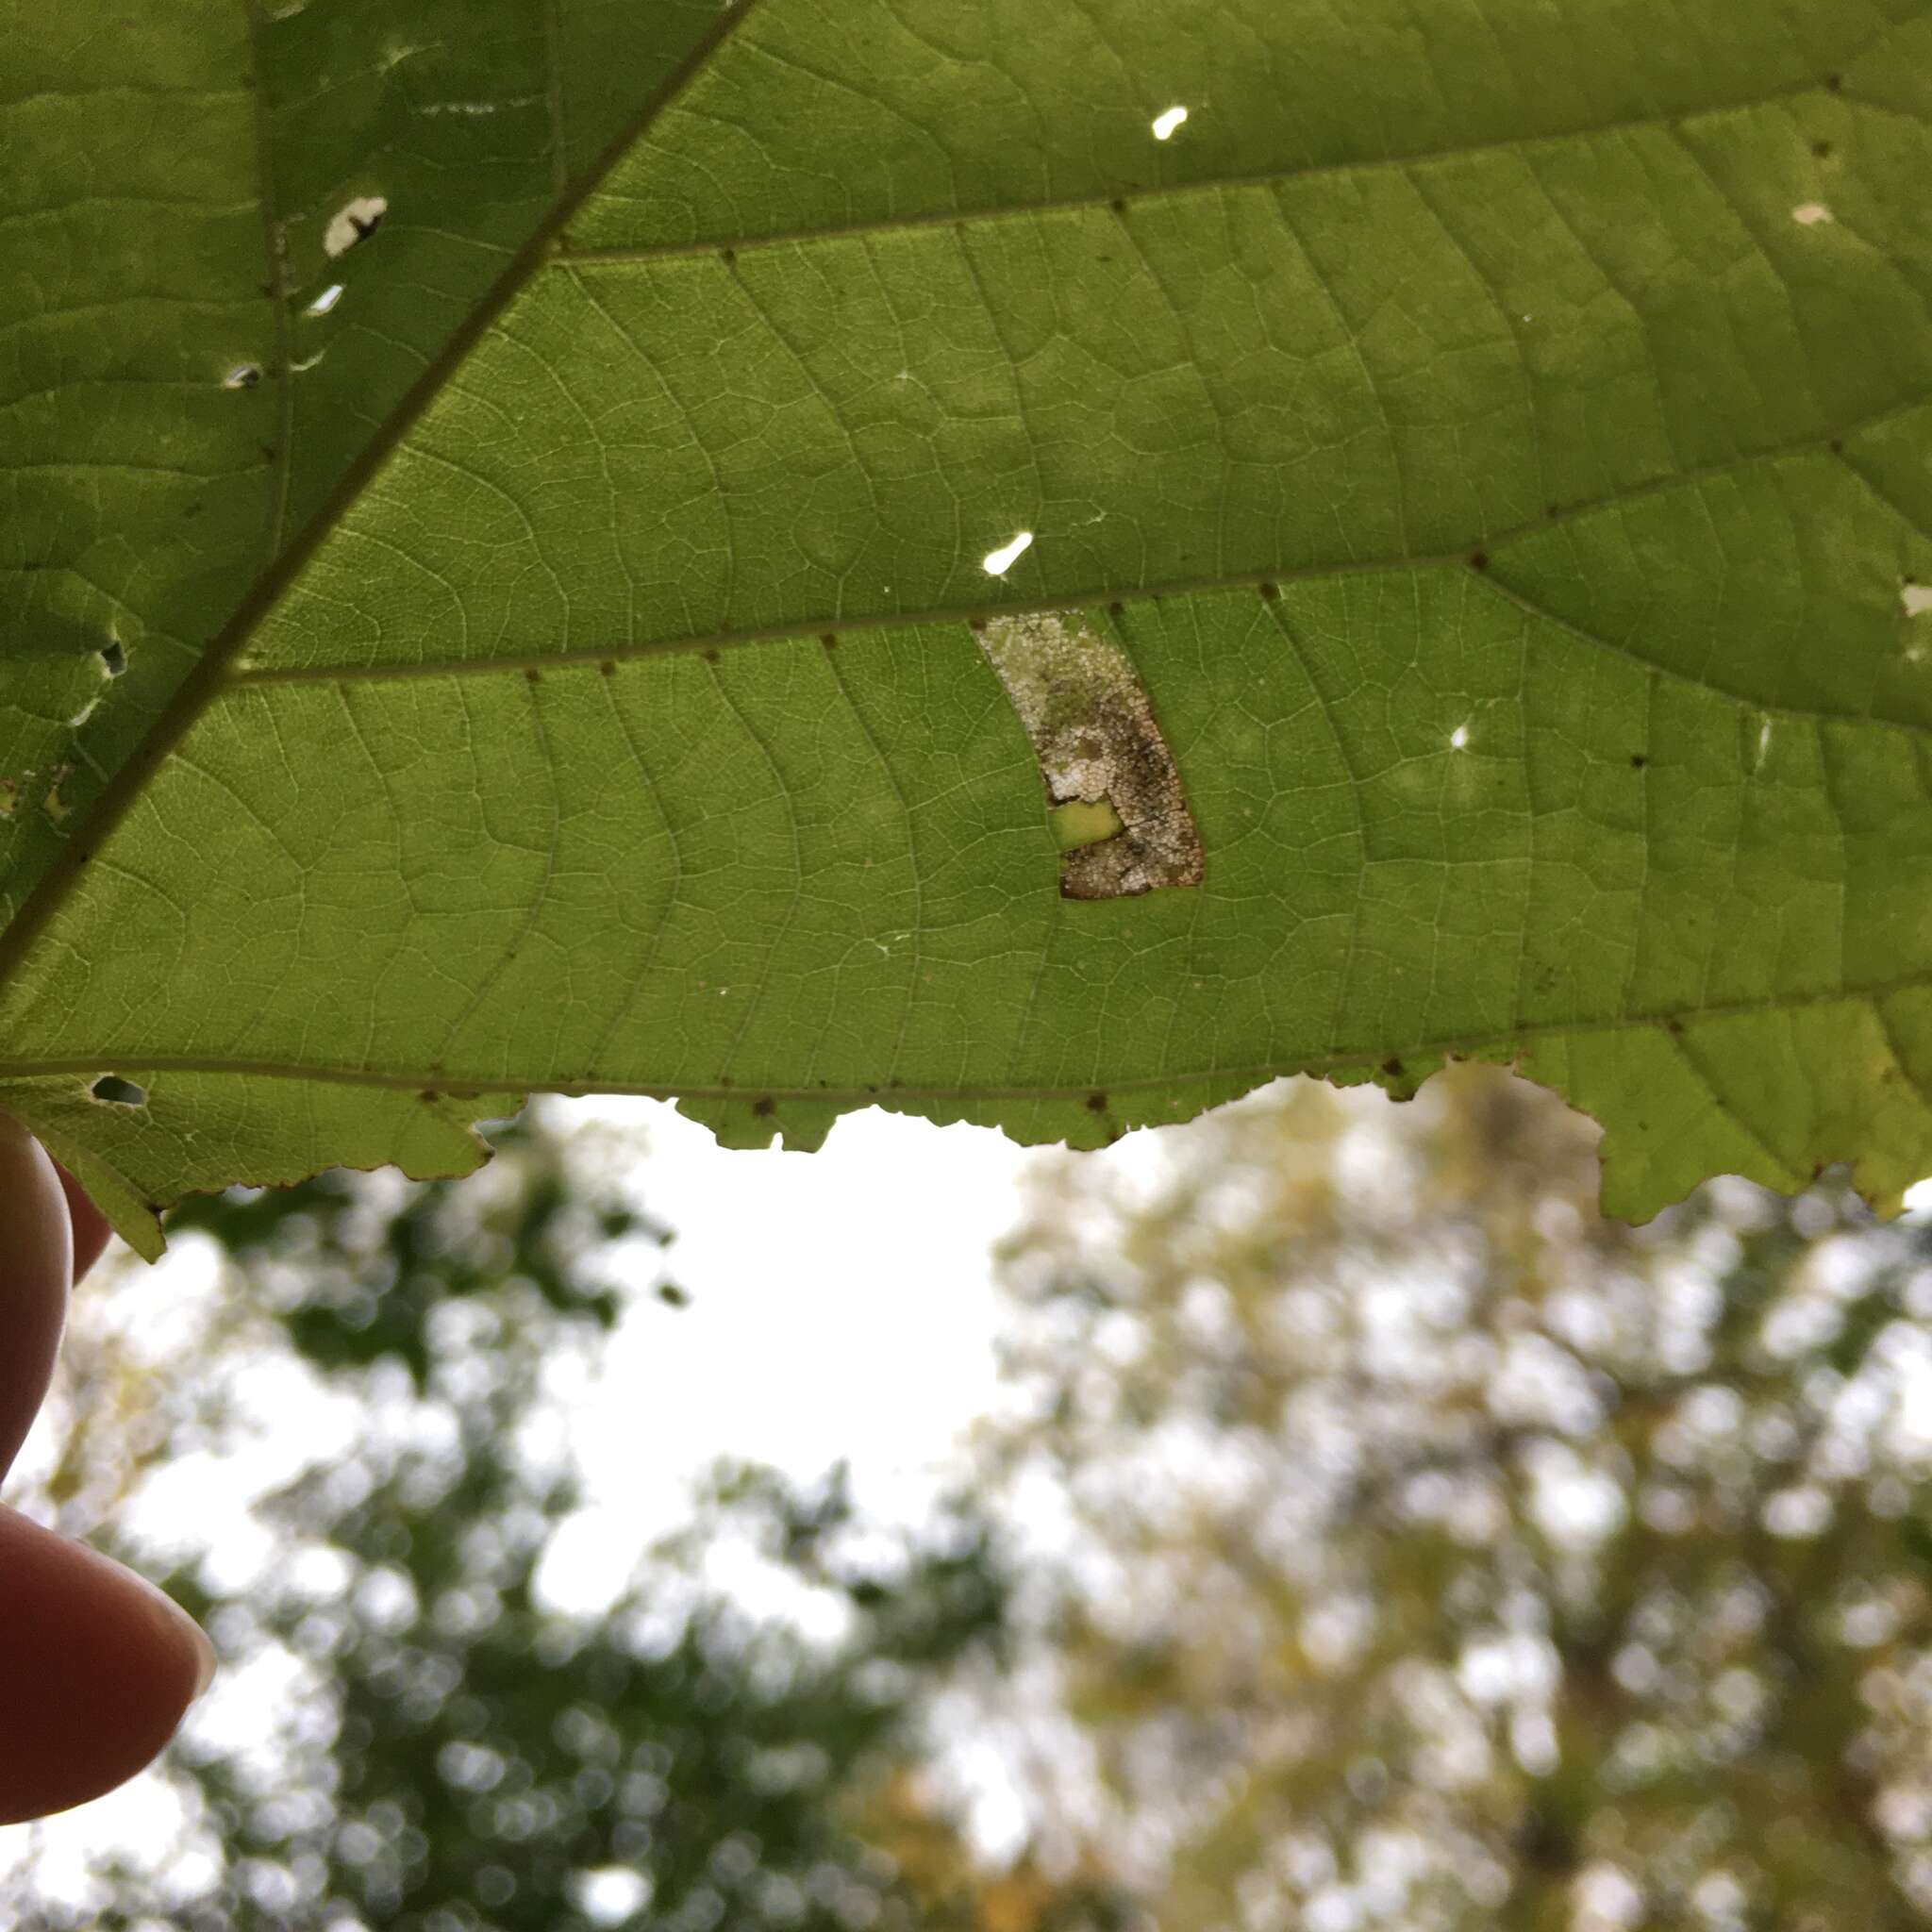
1433 1552
423 1743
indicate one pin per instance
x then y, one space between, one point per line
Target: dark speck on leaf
1838 447
1822 149
1116 609
831 640
728 255
1674 1025
1118 206
1833 82
1392 1067
712 655
430 1095
976 622
1637 762
608 667
535 675
1271 592
1096 1103
764 1107
1478 559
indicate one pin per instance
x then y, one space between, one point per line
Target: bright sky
841 1305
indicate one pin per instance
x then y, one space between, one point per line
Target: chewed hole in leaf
354 221
242 375
114 658
325 301
1167 121
1458 738
110 1090
1917 599
996 563
1809 214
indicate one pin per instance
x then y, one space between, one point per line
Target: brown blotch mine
1096 738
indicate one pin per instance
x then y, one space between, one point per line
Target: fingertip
91 1232
100 1668
35 1266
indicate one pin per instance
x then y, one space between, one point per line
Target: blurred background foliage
1371 1535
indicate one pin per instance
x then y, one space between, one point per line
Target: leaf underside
496 511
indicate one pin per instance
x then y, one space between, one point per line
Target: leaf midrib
201 685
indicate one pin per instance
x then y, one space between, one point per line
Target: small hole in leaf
326 300
1810 214
113 659
1167 121
354 221
243 375
1917 599
996 563
113 1090
1458 738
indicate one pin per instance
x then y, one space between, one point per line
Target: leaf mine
1098 744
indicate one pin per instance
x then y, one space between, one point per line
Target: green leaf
1480 462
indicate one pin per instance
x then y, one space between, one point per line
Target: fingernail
205 1674
204 1660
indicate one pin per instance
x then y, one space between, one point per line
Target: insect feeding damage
1097 742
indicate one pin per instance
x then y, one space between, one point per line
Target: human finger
96 1665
